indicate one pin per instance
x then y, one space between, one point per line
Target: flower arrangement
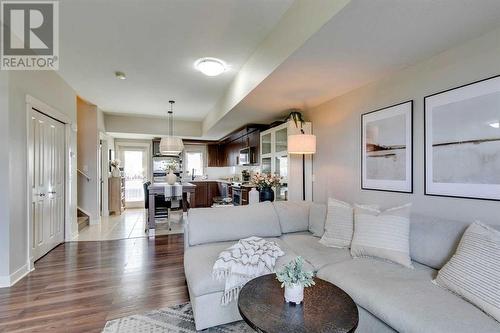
115 164
293 274
262 181
171 165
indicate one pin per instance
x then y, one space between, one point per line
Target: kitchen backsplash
224 172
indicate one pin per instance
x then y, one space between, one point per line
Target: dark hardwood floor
79 286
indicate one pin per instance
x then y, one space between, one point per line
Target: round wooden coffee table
326 308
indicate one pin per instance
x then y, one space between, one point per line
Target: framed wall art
462 141
387 149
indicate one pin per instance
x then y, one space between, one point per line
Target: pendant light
171 145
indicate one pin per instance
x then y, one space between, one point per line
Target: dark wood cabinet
205 192
156 147
244 195
201 194
226 152
214 158
212 192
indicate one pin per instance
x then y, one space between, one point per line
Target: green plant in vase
294 278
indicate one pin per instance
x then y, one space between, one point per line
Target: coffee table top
326 308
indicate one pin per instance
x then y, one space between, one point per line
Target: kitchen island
188 200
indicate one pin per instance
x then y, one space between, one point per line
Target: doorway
134 169
47 180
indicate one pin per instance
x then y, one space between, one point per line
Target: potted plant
171 166
294 278
265 184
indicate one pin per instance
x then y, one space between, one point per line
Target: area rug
176 319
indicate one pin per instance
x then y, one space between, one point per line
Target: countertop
221 181
211 180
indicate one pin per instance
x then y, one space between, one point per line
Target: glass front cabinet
274 158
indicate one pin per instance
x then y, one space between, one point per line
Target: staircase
83 219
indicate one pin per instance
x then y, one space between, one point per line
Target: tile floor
130 224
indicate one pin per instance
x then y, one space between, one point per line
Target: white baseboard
93 220
12 279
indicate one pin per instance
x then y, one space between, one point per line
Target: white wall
337 126
48 87
88 162
154 126
4 175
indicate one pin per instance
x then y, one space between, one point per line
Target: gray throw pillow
317 217
474 270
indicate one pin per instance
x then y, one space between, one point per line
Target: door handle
52 192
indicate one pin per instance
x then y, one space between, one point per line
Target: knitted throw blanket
249 258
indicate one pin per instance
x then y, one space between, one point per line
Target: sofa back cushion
433 240
209 225
317 218
293 215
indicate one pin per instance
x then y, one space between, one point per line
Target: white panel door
46 160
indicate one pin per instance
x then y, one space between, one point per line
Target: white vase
116 172
294 294
253 196
171 178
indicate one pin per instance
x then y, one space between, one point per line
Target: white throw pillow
338 225
473 272
384 235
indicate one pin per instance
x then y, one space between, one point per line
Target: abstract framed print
387 149
462 141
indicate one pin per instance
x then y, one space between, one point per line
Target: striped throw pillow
384 235
338 224
473 272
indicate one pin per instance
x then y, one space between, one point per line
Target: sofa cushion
208 225
317 254
293 215
406 299
433 240
317 218
199 261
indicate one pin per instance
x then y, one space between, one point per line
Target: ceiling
156 44
364 42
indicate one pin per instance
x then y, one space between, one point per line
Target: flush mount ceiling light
495 124
210 66
120 75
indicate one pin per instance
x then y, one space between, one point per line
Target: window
194 161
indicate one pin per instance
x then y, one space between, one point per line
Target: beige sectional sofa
390 297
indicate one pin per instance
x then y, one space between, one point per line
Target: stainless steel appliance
247 156
160 165
237 198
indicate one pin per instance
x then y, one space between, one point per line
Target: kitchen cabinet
227 151
244 195
214 158
205 192
212 192
274 159
201 199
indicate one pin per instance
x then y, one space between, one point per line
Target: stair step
83 221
